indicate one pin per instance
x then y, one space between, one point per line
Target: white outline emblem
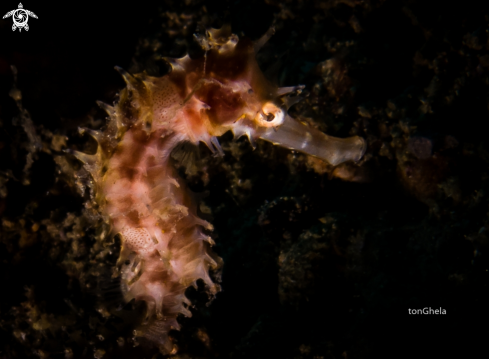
20 17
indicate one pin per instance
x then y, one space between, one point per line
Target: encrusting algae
165 248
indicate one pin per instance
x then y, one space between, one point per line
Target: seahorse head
236 96
225 90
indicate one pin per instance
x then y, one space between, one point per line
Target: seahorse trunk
164 249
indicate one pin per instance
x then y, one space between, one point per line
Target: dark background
320 262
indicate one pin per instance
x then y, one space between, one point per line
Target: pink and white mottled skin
164 245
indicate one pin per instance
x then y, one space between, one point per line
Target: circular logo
20 17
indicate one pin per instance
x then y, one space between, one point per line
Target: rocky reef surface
319 261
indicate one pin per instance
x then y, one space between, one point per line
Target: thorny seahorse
164 248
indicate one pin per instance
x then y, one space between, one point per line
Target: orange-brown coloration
164 245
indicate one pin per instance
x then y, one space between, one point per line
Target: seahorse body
137 190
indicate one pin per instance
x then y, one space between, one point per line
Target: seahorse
165 247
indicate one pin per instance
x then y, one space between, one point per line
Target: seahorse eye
270 115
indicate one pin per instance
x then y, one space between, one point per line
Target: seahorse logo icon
20 17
